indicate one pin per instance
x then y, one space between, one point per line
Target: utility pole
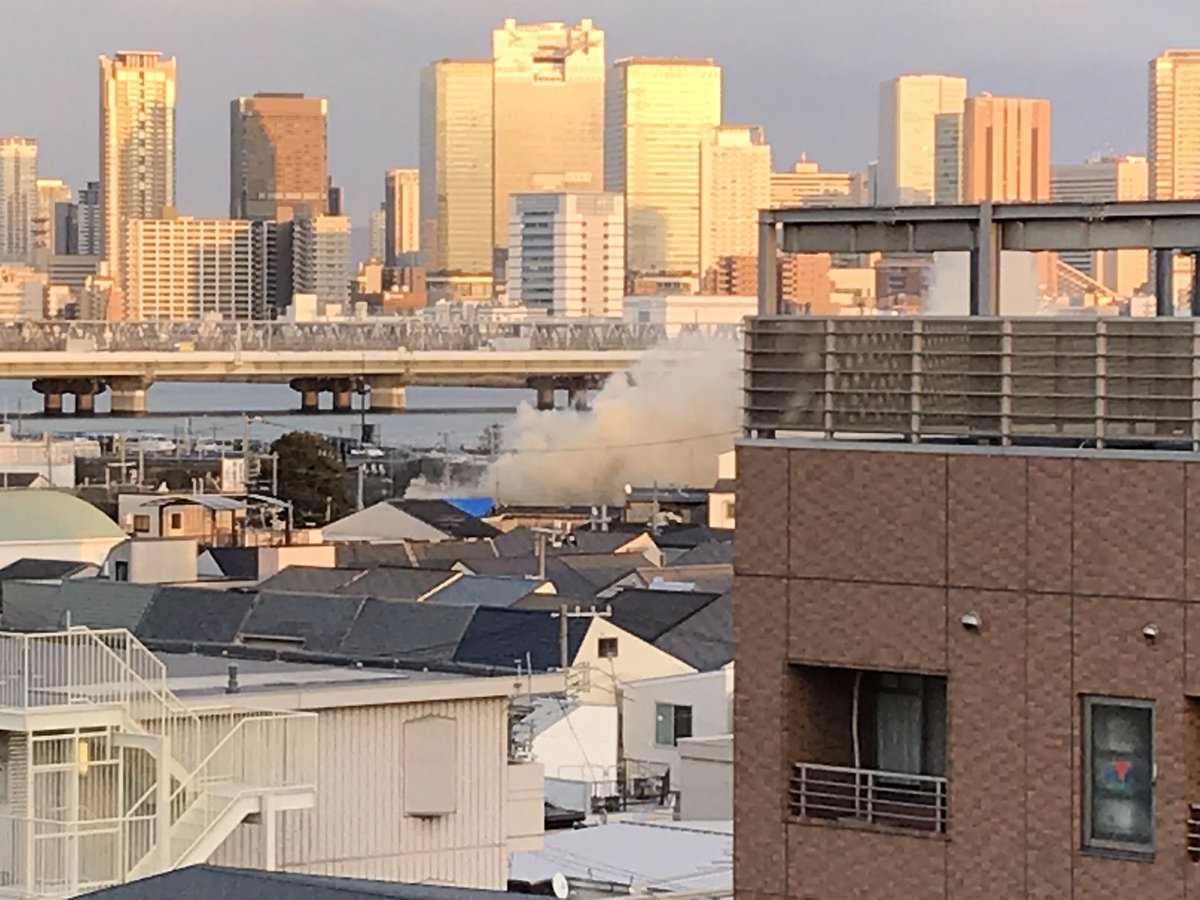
275 475
563 636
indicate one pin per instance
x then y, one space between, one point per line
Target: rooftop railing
1092 381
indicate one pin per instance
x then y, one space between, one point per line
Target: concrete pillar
85 404
545 397
768 272
577 398
1164 282
388 395
309 390
52 403
985 266
128 396
343 400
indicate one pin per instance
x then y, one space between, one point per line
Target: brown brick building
965 670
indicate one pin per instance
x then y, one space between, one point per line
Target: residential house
408 520
47 524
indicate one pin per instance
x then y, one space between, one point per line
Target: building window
176 521
120 570
1118 781
607 648
141 524
671 723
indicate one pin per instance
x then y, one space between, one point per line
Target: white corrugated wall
358 827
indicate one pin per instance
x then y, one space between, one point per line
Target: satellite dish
558 884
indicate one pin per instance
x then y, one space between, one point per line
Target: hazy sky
807 70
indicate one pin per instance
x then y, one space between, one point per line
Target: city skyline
830 118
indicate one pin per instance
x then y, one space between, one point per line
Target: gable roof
31 569
247 884
446 518
525 566
236 562
522 541
506 638
94 602
367 556
716 578
650 614
441 554
310 580
319 622
421 632
483 590
707 553
398 583
194 615
703 640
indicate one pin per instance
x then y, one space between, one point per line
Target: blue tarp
472 506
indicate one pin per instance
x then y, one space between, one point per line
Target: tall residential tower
1006 149
278 159
908 111
548 111
735 183
18 198
657 113
402 216
137 145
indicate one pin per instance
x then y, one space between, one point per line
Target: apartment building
963 663
804 184
320 258
18 198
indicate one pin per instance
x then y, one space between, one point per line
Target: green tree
312 477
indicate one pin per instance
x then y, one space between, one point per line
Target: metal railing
1005 379
386 334
1193 831
869 796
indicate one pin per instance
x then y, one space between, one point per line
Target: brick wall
867 557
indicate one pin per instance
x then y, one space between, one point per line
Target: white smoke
666 421
950 289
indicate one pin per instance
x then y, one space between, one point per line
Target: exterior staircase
150 784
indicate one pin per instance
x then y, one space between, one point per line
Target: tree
312 477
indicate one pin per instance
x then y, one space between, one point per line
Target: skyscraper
566 253
1006 149
402 216
137 145
548 119
735 183
51 193
89 216
18 197
948 155
908 110
321 258
456 166
657 112
278 158
377 232
804 184
1174 138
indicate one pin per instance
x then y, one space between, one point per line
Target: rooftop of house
446 518
42 515
246 884
42 569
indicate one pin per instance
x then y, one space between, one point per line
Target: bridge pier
577 396
129 396
84 390
388 395
343 394
545 396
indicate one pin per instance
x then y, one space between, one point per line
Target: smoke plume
666 421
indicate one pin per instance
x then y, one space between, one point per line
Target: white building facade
566 253
18 198
198 268
735 183
321 258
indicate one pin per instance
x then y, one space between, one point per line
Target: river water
436 416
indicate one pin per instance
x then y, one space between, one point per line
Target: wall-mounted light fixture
971 621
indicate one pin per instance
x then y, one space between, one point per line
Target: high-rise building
1105 180
1006 149
806 185
948 158
88 218
278 158
50 229
137 146
735 183
1174 139
456 166
402 217
321 258
377 232
548 111
184 268
657 113
566 253
908 111
18 198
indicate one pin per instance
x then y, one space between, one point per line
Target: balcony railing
1072 380
1193 831
869 796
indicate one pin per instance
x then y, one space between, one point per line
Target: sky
806 70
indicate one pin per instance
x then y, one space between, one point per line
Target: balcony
871 797
1193 831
